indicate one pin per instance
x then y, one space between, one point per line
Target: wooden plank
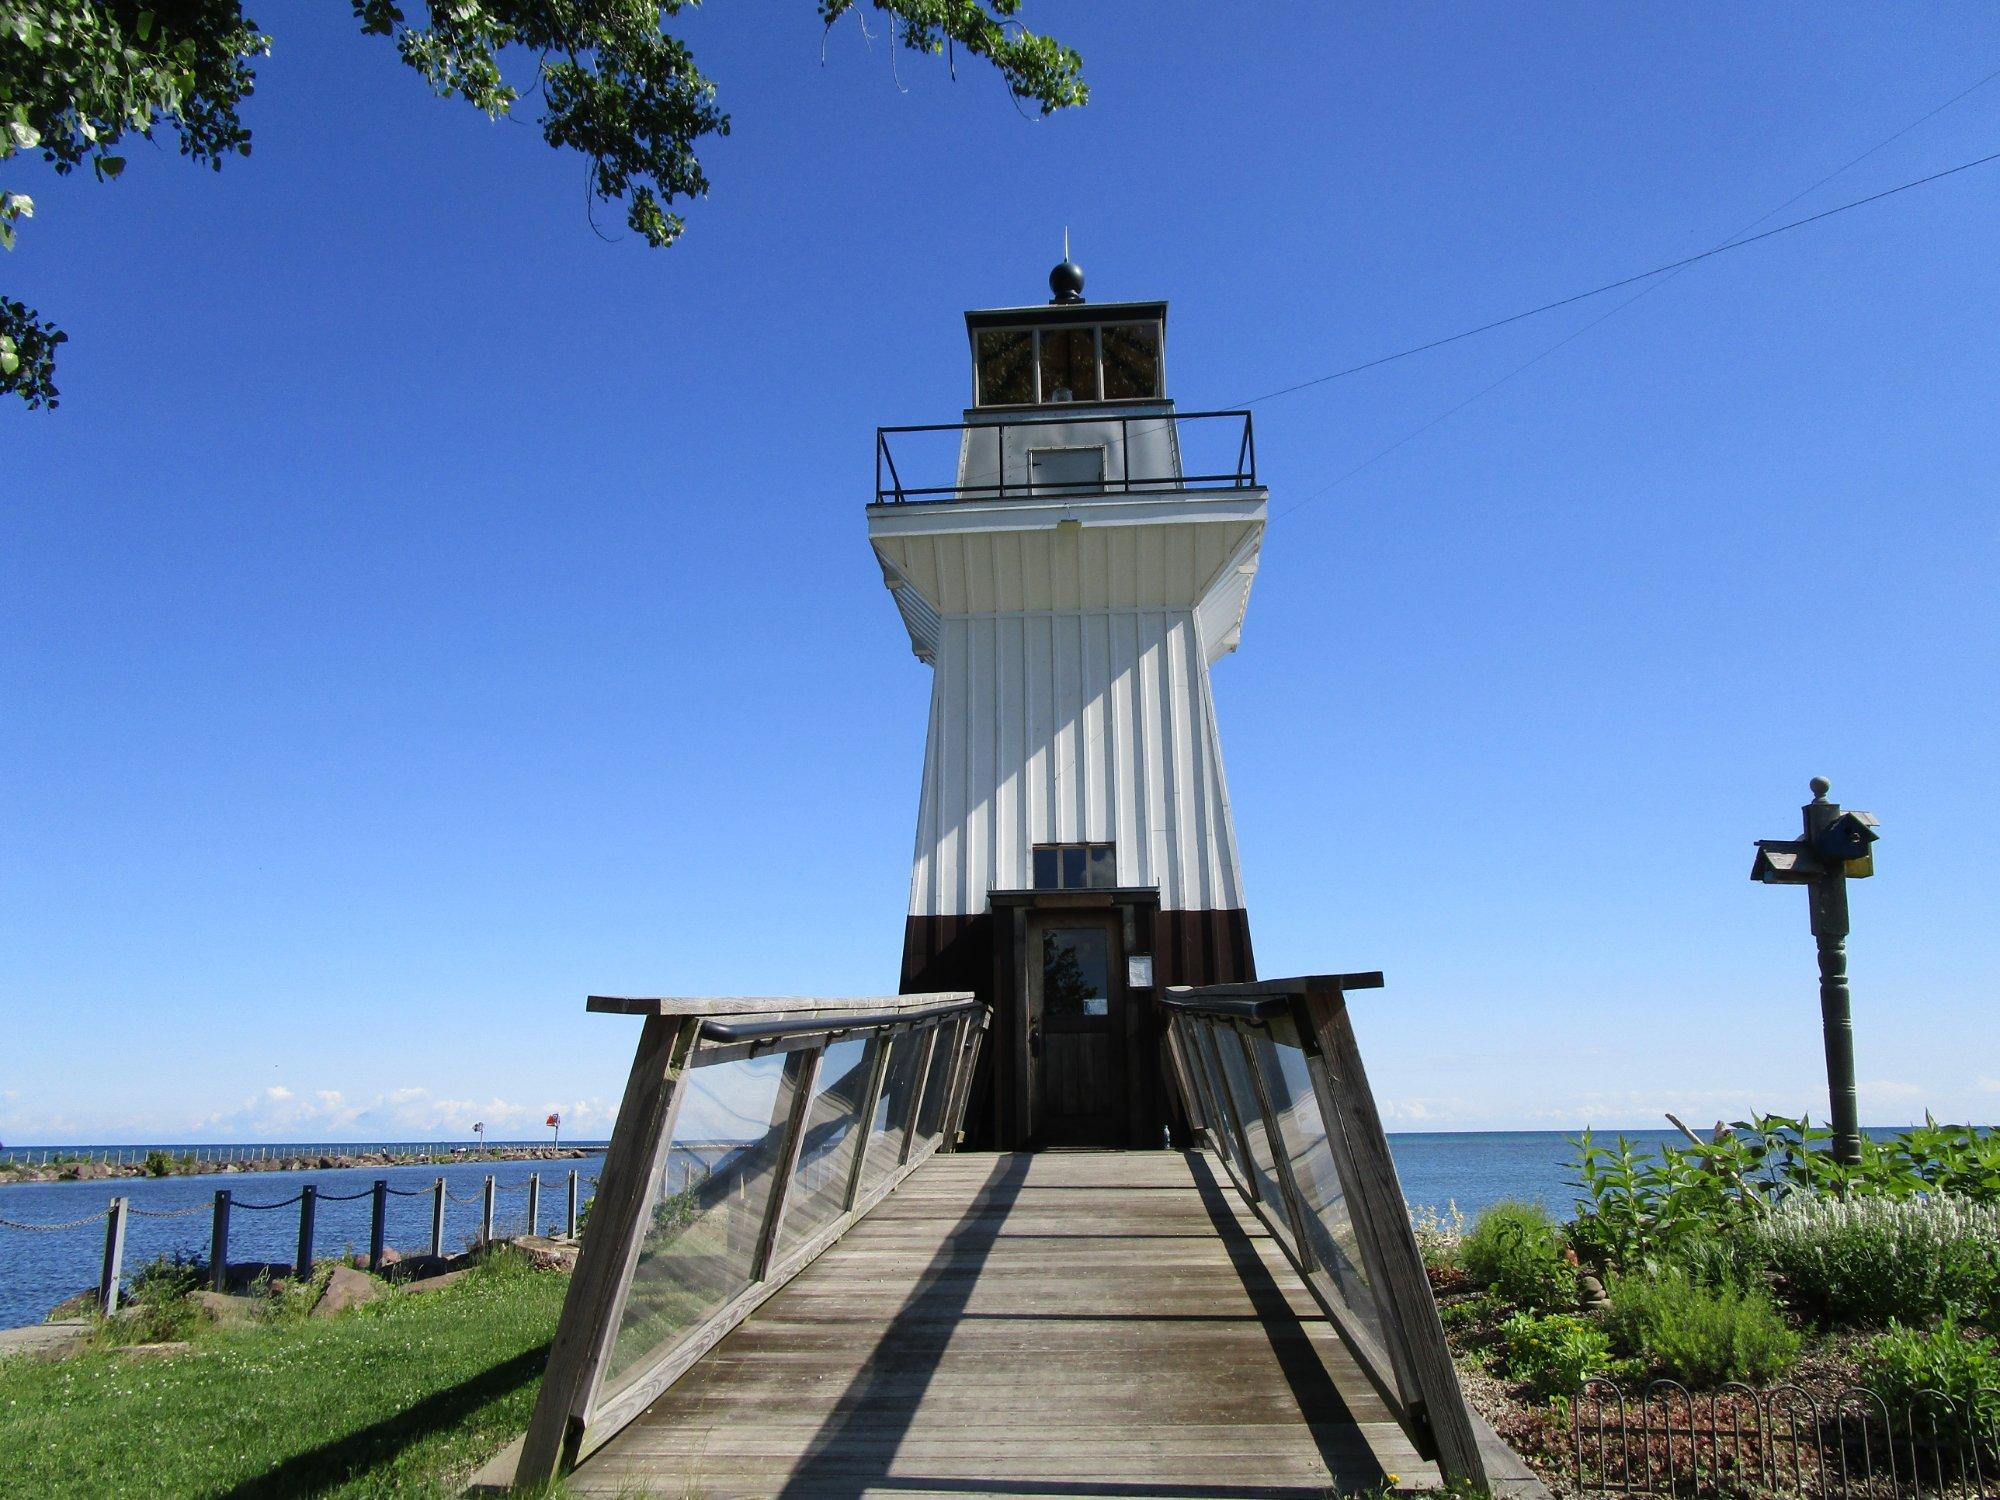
774 1006
1060 1322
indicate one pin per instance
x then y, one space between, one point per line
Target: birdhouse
1070 558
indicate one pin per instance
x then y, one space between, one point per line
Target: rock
346 1288
390 1255
326 1164
82 1305
544 1253
437 1283
1590 1294
223 1308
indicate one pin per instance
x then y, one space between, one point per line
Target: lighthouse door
1077 1021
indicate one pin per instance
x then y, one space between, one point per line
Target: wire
1612 286
1485 390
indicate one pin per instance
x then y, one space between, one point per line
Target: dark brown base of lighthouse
1077 1052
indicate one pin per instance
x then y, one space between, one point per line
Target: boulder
546 1254
82 1305
346 1288
437 1283
223 1308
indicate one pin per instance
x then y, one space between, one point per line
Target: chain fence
307 1201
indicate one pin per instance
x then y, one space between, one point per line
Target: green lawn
406 1395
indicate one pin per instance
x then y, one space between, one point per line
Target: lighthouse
1070 559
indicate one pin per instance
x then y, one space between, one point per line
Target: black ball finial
1820 787
1066 281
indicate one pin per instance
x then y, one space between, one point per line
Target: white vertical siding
1073 726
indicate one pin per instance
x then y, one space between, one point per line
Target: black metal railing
1164 473
1847 1444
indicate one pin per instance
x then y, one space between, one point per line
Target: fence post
534 1203
569 1207
218 1243
437 1220
114 1257
378 1224
486 1213
302 1264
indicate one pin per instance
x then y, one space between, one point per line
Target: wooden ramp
1063 1323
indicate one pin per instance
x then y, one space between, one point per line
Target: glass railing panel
1329 1226
930 1112
700 1239
1195 1054
819 1185
1250 1113
892 1110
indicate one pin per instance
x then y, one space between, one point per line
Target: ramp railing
833 1103
1274 1082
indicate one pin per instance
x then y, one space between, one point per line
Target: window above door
1075 867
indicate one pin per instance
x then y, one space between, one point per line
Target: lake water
38 1270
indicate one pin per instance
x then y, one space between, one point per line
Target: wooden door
1076 1038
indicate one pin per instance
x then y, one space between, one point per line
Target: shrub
1909 1369
1438 1235
159 1310
1516 1250
1699 1335
1870 1260
1554 1355
158 1164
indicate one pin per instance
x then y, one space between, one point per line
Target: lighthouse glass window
1006 367
1131 361
1075 867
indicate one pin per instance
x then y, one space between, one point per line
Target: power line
1612 286
1727 242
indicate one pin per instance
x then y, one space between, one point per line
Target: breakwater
103 1163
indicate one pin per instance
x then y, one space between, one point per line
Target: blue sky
421 612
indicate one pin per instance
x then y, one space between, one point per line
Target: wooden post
114 1258
569 1207
1401 1285
534 1203
486 1213
302 1263
437 1220
218 1243
640 1140
802 1070
378 1224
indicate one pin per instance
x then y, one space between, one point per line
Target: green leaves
28 354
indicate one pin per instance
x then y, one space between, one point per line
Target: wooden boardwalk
1065 1323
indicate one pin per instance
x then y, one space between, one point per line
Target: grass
406 1395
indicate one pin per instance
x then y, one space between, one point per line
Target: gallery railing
1159 468
1275 1084
834 1101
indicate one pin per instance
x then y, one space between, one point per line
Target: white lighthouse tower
1075 558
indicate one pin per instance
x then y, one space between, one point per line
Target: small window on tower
1069 364
1075 867
1131 361
1006 367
